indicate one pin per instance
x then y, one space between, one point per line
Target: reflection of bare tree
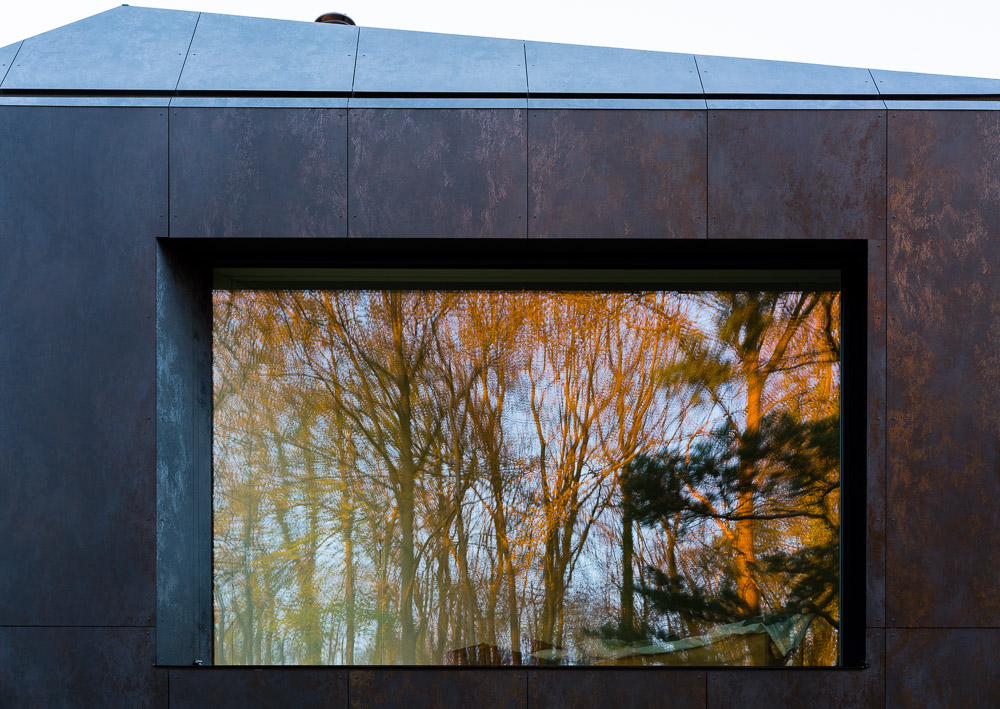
427 477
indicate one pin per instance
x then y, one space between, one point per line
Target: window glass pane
526 477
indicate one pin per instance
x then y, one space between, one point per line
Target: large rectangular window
497 472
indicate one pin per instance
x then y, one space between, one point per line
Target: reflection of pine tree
799 480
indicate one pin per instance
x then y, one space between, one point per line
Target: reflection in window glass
526 477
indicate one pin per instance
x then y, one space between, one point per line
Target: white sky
959 37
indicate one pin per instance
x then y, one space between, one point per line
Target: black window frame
185 273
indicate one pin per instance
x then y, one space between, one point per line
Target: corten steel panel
616 174
123 49
233 53
437 173
575 69
614 689
943 667
83 196
732 75
797 688
796 174
258 172
402 62
224 687
904 83
79 667
943 369
876 436
438 689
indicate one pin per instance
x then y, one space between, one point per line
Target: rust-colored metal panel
799 174
943 380
640 687
440 689
224 687
616 173
875 613
79 667
955 667
82 198
797 688
437 172
279 172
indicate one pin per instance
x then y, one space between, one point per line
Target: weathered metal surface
730 75
223 687
438 689
232 53
816 689
942 667
82 101
943 369
876 437
183 459
616 174
79 667
403 62
928 105
258 172
796 174
612 689
437 173
123 49
436 102
575 69
83 195
905 83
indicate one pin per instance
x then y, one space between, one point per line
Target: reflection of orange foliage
397 472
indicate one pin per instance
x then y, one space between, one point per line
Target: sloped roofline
140 52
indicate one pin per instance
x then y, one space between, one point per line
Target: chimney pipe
335 18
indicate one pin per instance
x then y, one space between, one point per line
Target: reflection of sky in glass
305 428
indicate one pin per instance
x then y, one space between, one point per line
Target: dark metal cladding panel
225 688
183 459
905 83
437 173
875 595
233 53
575 69
796 174
616 174
797 688
943 667
123 49
83 196
613 689
440 689
270 172
398 61
79 667
943 369
732 75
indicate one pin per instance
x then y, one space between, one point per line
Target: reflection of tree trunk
746 586
349 585
628 550
311 628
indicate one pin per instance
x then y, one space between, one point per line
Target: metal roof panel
575 69
400 62
904 83
235 53
7 55
729 75
123 49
